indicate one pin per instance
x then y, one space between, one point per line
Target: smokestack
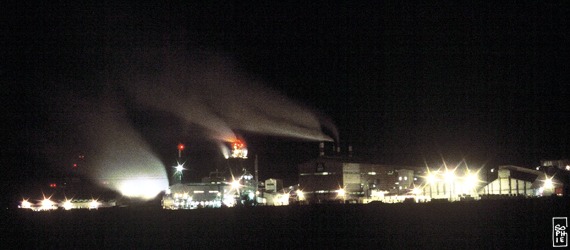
349 150
338 150
321 149
256 169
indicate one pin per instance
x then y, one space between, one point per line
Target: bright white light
300 195
449 176
235 184
26 204
431 179
47 204
281 200
341 192
492 170
126 161
179 168
67 205
229 201
416 191
548 183
145 188
538 168
239 153
94 204
471 181
567 167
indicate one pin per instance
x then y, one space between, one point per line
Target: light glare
300 195
548 183
67 205
26 204
47 204
144 188
449 176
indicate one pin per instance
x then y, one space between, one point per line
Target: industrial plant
336 177
342 178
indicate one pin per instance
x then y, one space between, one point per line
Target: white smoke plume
212 93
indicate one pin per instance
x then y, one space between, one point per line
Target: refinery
333 177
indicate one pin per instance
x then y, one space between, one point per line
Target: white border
554 232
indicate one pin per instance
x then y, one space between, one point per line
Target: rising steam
208 92
211 93
122 159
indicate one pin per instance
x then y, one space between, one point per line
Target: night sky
404 84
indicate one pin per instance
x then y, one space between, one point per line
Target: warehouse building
521 182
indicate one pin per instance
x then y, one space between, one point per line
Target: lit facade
273 185
196 195
519 181
338 179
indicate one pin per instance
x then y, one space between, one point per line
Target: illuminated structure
521 182
47 204
180 148
198 195
273 185
450 183
213 192
340 179
321 178
238 150
560 169
560 164
274 194
336 178
179 168
179 172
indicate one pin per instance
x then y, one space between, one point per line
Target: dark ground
503 224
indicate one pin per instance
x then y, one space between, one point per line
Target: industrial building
335 178
560 169
195 195
522 182
513 180
273 185
504 182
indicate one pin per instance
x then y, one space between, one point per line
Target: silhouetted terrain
496 224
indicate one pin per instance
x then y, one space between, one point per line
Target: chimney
338 150
256 167
349 150
321 149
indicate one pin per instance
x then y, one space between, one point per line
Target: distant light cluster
239 150
68 204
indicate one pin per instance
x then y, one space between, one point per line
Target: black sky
403 83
